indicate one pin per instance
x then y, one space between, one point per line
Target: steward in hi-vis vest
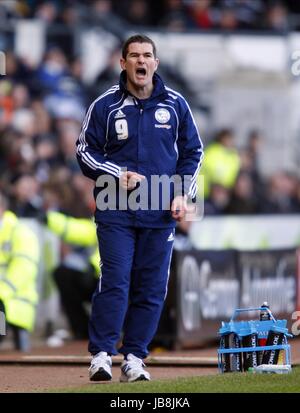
19 258
76 231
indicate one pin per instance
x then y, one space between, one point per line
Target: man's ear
157 63
123 63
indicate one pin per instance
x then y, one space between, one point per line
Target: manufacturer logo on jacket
171 237
120 114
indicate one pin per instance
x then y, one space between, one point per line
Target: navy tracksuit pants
132 288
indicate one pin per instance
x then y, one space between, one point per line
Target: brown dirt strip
34 377
26 379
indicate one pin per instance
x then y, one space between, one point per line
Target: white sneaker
100 368
132 370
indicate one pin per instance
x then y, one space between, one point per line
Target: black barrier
206 286
269 276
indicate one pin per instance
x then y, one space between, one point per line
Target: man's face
140 64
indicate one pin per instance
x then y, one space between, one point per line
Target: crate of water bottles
259 346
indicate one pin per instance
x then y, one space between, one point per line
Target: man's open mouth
141 71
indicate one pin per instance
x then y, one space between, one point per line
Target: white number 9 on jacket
121 126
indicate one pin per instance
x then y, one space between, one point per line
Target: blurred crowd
177 15
42 108
233 183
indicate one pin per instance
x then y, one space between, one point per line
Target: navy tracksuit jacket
154 137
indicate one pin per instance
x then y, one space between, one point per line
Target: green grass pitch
220 383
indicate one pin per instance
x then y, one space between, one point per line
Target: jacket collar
159 90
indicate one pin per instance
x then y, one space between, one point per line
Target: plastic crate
261 328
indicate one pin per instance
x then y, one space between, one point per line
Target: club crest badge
162 115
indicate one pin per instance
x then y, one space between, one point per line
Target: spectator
109 75
19 252
243 200
281 196
53 68
51 196
9 10
255 141
20 155
83 188
217 201
138 13
47 12
176 17
277 17
222 162
42 117
47 157
61 194
250 161
101 13
20 96
6 103
23 120
19 71
70 15
228 19
27 201
68 135
248 13
201 14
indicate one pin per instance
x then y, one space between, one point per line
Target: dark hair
137 38
223 133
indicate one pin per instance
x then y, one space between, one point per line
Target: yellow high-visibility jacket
221 166
19 259
76 231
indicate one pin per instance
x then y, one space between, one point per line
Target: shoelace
101 357
136 362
